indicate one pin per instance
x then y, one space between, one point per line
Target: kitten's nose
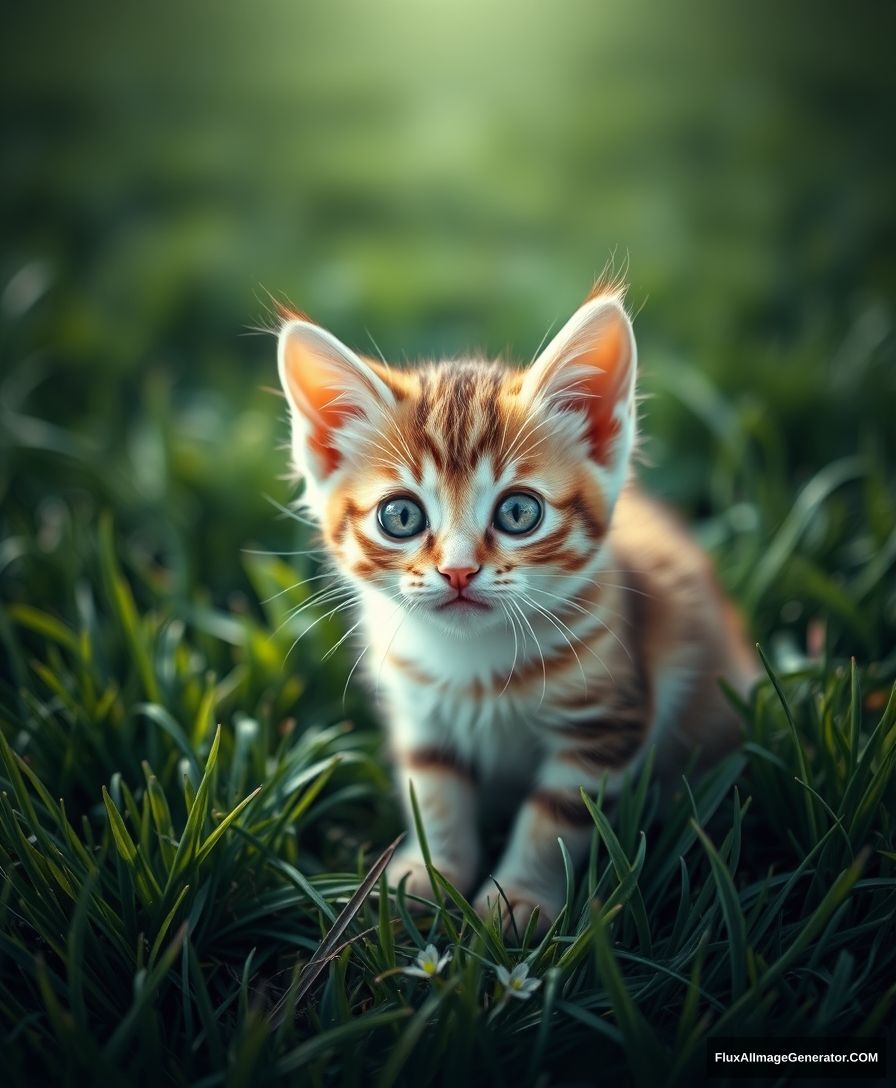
459 577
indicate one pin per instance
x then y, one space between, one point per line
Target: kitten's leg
531 871
445 792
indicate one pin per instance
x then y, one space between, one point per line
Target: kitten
534 622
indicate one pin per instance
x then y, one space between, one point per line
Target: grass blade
330 944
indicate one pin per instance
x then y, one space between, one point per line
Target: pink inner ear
313 392
609 362
326 453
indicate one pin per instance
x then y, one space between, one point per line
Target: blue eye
401 517
517 513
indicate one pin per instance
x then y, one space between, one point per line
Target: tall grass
193 804
193 807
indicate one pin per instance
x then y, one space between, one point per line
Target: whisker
338 608
615 613
319 597
351 672
398 453
523 434
515 648
558 624
404 446
324 597
598 570
630 589
529 425
391 456
544 673
570 599
261 551
581 641
601 585
293 515
296 585
358 659
544 340
586 612
332 650
376 348
412 608
335 647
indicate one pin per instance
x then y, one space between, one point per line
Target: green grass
165 929
193 805
191 799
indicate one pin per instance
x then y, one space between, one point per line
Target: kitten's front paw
418 882
523 902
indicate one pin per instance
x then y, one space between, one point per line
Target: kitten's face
463 500
471 494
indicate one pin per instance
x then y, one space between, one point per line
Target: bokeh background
435 178
424 179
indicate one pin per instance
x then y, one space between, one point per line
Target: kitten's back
690 633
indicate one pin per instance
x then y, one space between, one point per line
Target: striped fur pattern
512 666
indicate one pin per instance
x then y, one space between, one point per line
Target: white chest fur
455 692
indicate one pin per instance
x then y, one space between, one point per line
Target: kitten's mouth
462 603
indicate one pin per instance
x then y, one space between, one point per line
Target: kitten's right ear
327 386
589 368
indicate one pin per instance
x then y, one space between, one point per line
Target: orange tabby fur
552 658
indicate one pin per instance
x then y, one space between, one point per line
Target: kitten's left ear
589 367
327 386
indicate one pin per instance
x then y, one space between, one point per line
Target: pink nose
459 577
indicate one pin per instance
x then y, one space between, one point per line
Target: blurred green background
426 178
439 177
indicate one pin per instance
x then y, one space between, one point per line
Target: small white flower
429 963
247 728
517 983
